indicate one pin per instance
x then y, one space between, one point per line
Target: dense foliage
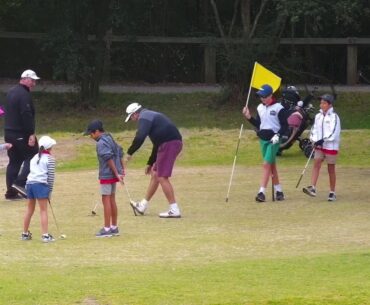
69 53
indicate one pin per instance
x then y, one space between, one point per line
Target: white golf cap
29 74
131 109
47 142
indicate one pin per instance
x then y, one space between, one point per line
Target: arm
283 120
51 173
335 129
153 156
27 114
142 132
113 168
256 122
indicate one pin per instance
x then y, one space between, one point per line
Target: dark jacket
19 112
158 128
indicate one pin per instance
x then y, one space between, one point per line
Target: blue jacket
106 149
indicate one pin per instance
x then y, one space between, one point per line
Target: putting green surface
301 251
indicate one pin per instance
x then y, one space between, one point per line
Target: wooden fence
210 45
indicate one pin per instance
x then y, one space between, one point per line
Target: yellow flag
262 76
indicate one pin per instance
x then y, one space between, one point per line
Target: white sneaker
170 214
138 207
47 238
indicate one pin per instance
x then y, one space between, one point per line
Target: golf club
61 236
308 161
93 211
272 187
233 168
129 198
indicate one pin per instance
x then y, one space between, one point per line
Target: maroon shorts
166 157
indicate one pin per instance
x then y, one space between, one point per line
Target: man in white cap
167 144
19 130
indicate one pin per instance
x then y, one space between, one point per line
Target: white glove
275 139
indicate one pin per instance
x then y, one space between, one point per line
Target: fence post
209 64
352 74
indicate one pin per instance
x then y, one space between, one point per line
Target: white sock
144 202
262 189
113 227
106 229
278 188
174 206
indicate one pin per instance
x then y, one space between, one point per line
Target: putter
93 211
308 161
272 188
61 236
132 203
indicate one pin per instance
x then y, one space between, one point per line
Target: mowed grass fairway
300 251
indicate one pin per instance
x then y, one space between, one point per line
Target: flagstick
250 85
233 168
240 135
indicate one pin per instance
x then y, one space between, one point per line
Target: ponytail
41 149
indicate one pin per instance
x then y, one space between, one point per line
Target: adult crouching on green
167 144
270 123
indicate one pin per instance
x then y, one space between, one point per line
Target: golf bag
300 116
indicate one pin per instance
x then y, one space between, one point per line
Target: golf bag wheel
307 151
303 143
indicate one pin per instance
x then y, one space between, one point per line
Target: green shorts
269 151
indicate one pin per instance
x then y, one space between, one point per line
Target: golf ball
63 236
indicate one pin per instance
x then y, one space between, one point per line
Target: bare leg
332 176
43 203
266 174
28 214
275 175
316 171
167 189
107 210
152 187
114 210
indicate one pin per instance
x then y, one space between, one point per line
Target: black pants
19 154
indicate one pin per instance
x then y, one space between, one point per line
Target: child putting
111 171
39 185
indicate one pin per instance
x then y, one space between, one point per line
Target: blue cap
93 126
265 91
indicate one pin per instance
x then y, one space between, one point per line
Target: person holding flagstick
270 123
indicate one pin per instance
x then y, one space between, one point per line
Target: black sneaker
20 189
260 197
332 197
103 233
310 191
26 236
279 196
114 232
13 197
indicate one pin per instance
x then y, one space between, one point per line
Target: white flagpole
250 85
233 168
240 135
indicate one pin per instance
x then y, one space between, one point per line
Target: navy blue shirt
158 128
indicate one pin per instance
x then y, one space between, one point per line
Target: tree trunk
245 10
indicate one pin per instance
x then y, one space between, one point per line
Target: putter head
93 213
132 204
